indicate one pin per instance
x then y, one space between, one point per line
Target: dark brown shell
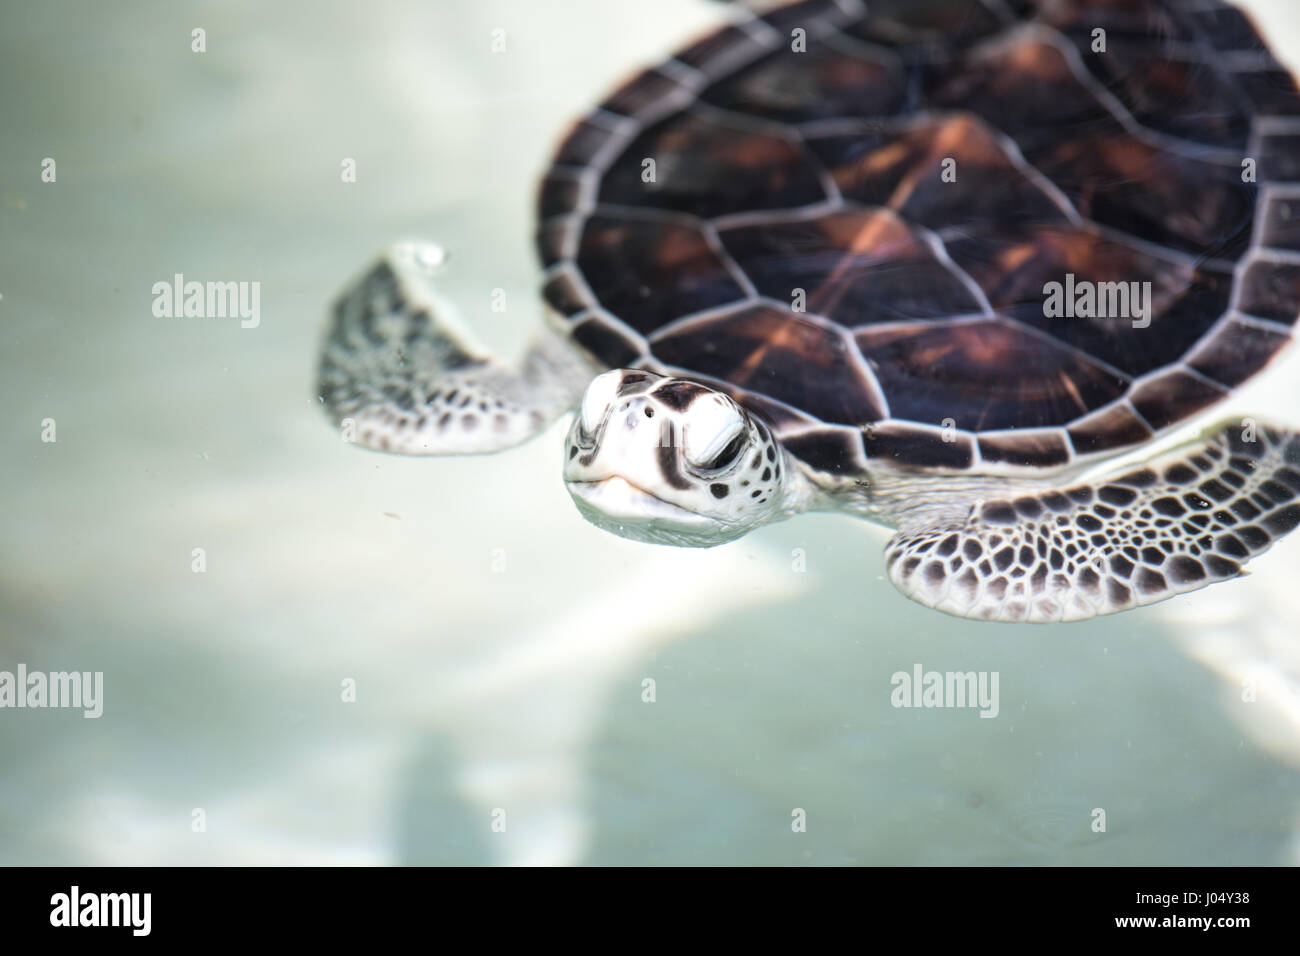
923 343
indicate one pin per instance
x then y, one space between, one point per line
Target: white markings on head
672 461
600 393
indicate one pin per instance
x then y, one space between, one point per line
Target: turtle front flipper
1175 524
398 375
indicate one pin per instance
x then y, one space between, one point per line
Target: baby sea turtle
933 263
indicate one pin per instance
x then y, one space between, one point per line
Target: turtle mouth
616 497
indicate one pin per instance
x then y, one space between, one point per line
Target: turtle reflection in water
803 265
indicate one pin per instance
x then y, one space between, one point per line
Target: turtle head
670 461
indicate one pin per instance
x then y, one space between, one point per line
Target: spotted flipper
397 373
1176 524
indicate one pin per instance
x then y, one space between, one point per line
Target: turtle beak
618 498
616 505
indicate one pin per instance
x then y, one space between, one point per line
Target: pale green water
476 689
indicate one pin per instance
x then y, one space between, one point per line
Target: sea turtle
940 264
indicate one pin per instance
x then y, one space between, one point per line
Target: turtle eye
602 390
715 434
730 452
